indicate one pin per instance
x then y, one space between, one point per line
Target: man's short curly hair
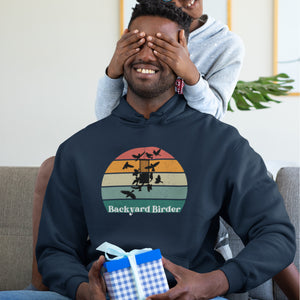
160 8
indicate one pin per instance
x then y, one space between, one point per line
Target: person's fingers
154 43
127 34
131 37
126 30
163 37
169 60
161 50
131 45
128 46
128 53
131 52
130 49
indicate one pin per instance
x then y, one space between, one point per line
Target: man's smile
145 69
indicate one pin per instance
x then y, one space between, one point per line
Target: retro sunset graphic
144 180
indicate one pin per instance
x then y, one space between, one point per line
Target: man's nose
146 54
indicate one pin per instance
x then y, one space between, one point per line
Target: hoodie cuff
73 284
196 91
235 276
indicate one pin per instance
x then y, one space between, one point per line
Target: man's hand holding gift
192 285
95 289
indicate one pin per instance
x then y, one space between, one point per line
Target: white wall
275 132
53 52
51 56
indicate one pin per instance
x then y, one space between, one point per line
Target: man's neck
146 106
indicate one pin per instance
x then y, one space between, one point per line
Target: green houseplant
249 95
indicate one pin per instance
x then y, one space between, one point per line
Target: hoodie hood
210 28
173 109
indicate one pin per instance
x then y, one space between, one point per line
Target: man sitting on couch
159 174
98 191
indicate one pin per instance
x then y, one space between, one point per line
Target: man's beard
155 89
151 91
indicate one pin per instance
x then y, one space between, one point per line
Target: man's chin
146 93
149 90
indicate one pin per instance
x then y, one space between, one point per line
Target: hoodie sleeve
213 91
256 211
62 233
109 93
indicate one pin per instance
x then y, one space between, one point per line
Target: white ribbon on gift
114 250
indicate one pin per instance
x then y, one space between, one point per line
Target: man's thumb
96 267
175 270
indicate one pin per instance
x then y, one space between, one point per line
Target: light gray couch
16 195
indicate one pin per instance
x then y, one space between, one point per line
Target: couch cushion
16 195
288 184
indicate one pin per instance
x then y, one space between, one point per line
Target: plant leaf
251 94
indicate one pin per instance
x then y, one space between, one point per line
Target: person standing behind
209 65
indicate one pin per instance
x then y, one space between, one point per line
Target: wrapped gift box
120 280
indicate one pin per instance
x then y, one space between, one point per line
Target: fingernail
142 34
135 31
150 44
158 34
149 38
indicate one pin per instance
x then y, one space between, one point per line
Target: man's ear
181 38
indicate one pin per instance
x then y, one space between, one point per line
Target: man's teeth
145 71
191 3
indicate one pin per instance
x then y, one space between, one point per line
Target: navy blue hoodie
161 183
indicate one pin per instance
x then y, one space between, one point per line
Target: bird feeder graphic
144 171
144 175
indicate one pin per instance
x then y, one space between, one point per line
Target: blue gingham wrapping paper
120 283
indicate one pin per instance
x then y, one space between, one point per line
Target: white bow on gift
114 250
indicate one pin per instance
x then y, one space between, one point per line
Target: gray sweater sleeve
212 94
109 93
